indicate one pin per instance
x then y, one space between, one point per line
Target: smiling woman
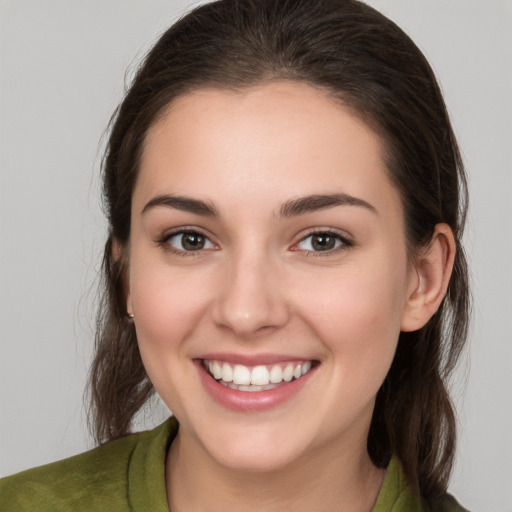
284 267
253 291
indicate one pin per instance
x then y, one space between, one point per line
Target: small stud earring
131 316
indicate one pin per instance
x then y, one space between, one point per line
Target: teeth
249 388
217 370
276 374
306 367
241 375
227 373
288 373
258 378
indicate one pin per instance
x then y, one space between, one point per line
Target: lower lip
251 401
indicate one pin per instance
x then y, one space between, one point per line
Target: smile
256 378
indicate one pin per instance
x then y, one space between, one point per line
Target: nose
251 300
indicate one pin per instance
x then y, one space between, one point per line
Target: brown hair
365 61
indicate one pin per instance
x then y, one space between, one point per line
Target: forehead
279 139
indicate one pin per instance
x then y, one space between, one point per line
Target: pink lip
246 401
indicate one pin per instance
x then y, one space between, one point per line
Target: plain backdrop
62 72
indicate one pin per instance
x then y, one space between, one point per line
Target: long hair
370 66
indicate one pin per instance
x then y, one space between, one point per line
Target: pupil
323 242
193 241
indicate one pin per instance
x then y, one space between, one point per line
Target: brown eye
189 241
322 242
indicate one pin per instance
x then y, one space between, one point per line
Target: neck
329 479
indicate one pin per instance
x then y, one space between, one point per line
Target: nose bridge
250 298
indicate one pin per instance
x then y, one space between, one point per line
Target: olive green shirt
128 475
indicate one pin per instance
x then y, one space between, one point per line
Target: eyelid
163 241
345 239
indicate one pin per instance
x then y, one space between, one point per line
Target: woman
286 202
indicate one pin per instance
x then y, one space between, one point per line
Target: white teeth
306 367
260 376
288 373
227 373
246 388
276 374
241 375
249 388
217 370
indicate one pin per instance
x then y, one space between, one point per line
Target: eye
189 241
322 242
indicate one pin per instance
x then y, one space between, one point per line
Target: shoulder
450 504
95 480
397 496
79 480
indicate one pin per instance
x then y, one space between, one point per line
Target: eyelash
343 243
164 242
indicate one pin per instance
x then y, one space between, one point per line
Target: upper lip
252 359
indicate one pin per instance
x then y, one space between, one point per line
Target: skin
259 287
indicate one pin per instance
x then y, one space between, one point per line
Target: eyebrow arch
186 204
317 202
291 208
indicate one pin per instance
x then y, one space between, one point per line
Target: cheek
168 306
362 300
357 318
168 309
356 311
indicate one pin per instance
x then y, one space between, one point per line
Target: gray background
62 65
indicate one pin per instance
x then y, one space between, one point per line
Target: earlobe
117 250
430 281
129 307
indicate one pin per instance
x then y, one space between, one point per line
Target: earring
131 316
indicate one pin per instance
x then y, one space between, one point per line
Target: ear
429 279
120 256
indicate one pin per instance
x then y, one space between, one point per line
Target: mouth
257 378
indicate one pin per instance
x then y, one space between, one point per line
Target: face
268 273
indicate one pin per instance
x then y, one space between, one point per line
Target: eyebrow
291 208
186 204
318 202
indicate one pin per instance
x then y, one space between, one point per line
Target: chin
254 460
250 450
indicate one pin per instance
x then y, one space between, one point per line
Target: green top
128 475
